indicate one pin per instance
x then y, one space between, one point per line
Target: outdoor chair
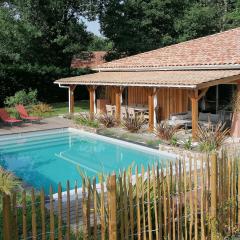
131 112
109 109
123 112
24 114
6 118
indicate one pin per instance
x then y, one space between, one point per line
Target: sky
94 27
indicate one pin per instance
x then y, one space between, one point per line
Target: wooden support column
71 99
92 98
194 101
119 91
151 108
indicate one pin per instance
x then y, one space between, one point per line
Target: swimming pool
49 157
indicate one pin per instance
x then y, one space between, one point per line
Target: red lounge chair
6 118
24 114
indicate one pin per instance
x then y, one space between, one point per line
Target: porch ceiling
175 79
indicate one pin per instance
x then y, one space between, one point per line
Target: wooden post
112 202
194 101
119 91
71 98
151 108
213 182
92 99
7 223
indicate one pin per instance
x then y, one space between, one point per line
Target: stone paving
45 124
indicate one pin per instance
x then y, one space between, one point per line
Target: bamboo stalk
131 204
95 209
84 211
24 215
185 201
143 205
121 208
14 211
190 199
202 204
155 202
125 202
103 228
195 199
34 224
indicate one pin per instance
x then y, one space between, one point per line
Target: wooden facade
170 100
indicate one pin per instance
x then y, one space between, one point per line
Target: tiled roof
184 79
221 49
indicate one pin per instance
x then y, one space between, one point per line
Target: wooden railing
189 199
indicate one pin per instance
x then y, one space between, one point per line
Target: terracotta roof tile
214 50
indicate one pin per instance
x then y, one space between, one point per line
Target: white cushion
214 118
203 116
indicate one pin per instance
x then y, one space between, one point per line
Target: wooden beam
218 82
151 110
92 90
71 98
118 98
203 93
194 101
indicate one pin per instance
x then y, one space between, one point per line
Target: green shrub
86 120
22 97
41 108
187 144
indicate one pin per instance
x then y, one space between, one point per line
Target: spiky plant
133 124
165 131
212 137
87 119
107 120
8 183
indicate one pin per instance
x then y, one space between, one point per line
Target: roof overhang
168 79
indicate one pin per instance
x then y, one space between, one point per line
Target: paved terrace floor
45 124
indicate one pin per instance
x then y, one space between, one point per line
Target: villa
166 82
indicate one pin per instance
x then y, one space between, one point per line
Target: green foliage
187 144
133 124
107 120
174 141
138 26
100 44
22 97
211 138
165 131
86 120
8 183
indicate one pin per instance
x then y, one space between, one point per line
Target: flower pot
101 105
235 128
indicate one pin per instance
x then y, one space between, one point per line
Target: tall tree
43 31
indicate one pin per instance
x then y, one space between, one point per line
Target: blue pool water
45 158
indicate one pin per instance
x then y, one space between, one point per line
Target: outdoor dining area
130 111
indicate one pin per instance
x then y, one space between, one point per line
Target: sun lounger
6 118
24 114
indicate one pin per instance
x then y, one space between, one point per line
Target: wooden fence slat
112 190
164 206
121 207
143 204
84 210
195 200
34 224
131 204
125 202
201 200
103 227
155 201
185 202
94 210
190 198
52 227
24 215
7 217
149 205
43 224
88 207
14 211
60 212
68 211
138 206
159 187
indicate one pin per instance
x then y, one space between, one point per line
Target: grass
62 108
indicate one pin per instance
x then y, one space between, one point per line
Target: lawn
62 108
